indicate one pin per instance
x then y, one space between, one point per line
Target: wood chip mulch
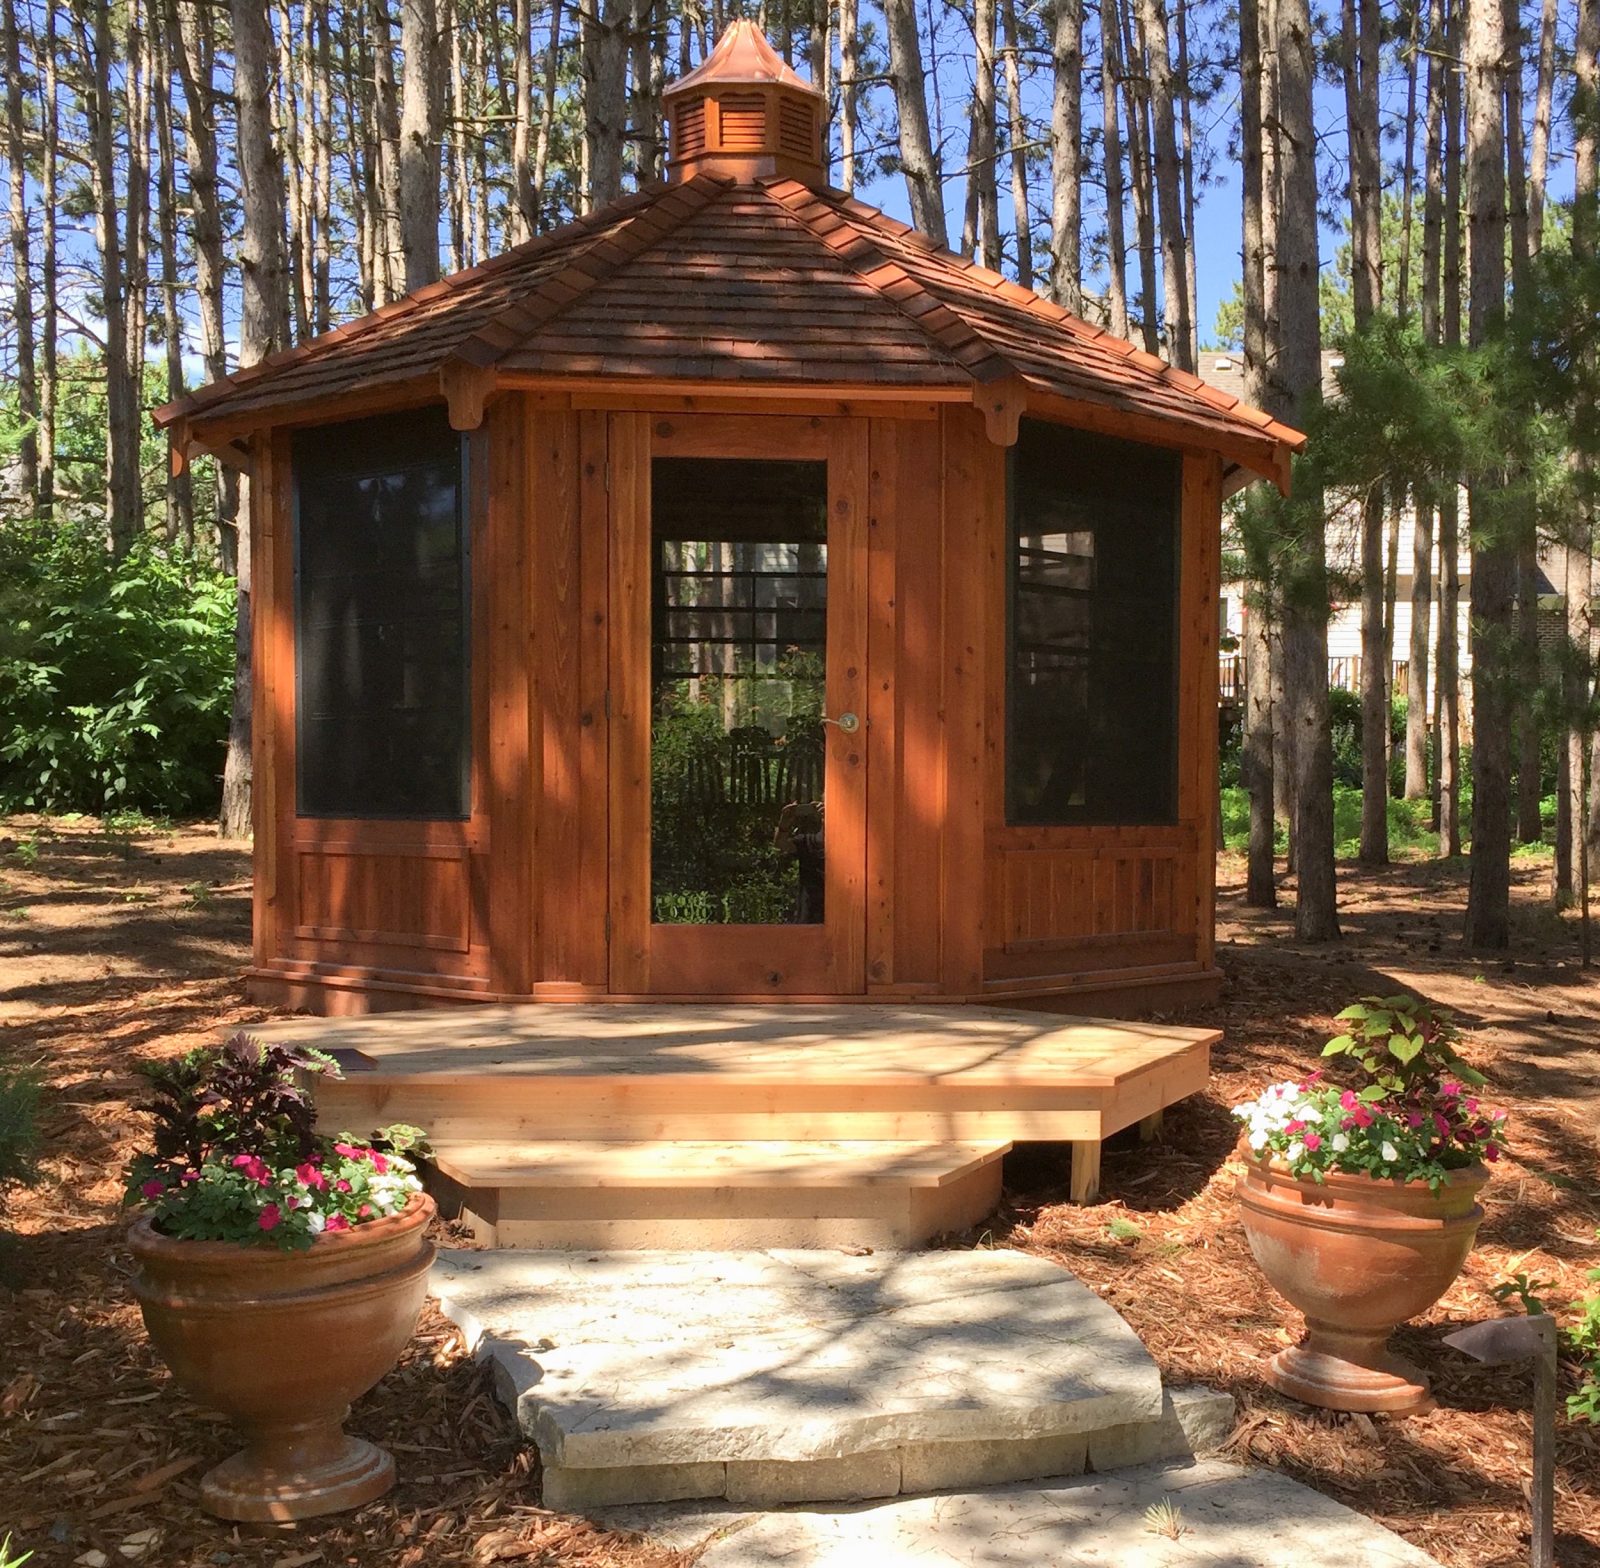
115 947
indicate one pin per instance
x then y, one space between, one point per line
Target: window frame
464 531
1087 816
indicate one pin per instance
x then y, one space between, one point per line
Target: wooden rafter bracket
1002 404
183 446
467 388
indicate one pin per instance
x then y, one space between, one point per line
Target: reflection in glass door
738 683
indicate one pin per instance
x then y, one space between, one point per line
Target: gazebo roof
715 284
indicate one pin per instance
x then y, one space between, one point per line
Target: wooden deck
675 1107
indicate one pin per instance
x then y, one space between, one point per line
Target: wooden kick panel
419 898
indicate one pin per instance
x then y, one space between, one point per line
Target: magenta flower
1442 1123
337 1222
1313 1141
269 1217
1413 1118
1450 1091
1348 1100
348 1150
379 1164
253 1166
1491 1152
309 1176
341 1185
1362 1116
1294 1125
154 1187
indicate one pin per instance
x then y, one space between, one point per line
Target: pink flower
254 1167
1348 1100
191 1175
309 1176
1491 1152
341 1185
364 1212
1313 1141
1413 1118
269 1217
1442 1123
1293 1125
1362 1116
1348 1122
1450 1090
337 1222
348 1150
154 1187
379 1164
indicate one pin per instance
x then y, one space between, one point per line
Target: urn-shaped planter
283 1341
1357 1255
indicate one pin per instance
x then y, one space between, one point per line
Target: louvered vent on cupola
745 113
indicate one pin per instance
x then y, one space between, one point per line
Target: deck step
705 1194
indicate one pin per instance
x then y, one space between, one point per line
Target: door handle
848 723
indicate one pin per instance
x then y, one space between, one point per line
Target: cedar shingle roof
711 280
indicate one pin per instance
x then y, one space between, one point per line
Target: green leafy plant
7 1560
115 675
235 1154
1401 1042
21 1090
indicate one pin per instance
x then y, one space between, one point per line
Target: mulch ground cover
117 946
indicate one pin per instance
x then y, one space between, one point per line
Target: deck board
788 1044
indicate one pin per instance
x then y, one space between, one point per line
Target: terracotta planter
282 1342
1358 1256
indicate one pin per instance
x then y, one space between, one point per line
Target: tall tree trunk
122 432
1261 891
180 486
1360 51
1136 98
547 109
605 97
980 235
1449 637
50 141
389 245
1539 145
1494 554
1168 176
1017 136
1111 134
322 94
1066 148
849 105
918 159
263 329
1185 92
1585 247
524 215
1297 375
21 261
421 96
189 27
289 133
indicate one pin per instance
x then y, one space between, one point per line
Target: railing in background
1344 674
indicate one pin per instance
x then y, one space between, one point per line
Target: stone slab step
575 1193
1228 1516
779 1376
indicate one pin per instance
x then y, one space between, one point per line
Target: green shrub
115 677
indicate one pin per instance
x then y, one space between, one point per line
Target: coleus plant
236 1156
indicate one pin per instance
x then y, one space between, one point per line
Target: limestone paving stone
1229 1517
648 1359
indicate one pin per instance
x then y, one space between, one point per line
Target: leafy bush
115 677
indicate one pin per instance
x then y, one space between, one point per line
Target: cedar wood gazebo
732 594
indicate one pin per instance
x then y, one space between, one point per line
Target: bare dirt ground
115 947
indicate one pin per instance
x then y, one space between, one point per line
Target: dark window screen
1092 691
381 619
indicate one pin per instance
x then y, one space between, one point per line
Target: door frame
828 959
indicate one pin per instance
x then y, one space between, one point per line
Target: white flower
1296 1152
1258 1139
314 1222
1389 1152
1340 1142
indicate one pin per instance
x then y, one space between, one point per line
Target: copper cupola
744 112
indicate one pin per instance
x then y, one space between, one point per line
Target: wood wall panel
421 899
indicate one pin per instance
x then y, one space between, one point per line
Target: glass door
756 745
